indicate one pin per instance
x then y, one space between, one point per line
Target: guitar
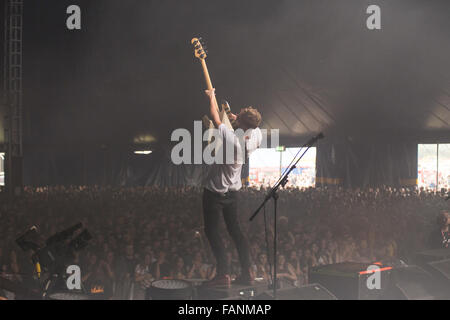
225 113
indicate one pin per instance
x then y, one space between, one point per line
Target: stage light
143 152
144 139
169 289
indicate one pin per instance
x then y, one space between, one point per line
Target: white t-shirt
226 177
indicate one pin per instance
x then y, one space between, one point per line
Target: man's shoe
218 281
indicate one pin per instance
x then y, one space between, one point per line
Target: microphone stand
274 195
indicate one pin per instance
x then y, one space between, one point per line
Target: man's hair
442 218
250 117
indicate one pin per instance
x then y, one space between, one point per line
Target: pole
281 161
273 195
437 167
275 200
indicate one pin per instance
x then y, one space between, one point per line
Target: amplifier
353 280
427 256
441 270
310 292
415 283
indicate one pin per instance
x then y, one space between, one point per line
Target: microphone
226 107
25 244
313 140
30 231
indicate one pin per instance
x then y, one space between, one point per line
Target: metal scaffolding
12 83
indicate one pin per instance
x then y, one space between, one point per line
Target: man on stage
220 193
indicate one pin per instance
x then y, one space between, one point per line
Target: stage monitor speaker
441 270
348 280
235 290
424 257
170 290
414 283
309 292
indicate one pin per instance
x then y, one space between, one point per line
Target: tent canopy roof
309 66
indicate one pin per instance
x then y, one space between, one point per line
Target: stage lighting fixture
143 152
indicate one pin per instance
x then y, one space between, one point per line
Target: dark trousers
214 206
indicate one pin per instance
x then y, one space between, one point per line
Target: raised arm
214 108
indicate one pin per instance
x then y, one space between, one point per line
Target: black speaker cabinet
310 292
415 283
349 280
428 256
441 270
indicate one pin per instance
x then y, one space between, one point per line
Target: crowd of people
143 234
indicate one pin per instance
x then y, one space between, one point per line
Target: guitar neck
224 115
208 79
201 54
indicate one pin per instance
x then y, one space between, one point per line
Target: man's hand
232 117
211 93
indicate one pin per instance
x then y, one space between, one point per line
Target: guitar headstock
199 48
